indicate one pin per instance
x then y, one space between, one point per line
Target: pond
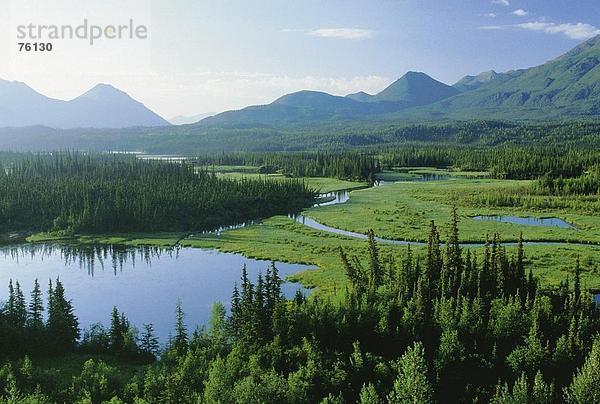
528 221
144 283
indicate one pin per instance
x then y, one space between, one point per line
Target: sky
203 56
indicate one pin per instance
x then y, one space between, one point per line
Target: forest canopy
96 193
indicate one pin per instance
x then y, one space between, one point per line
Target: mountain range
103 106
563 88
567 87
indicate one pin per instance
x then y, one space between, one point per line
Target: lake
528 221
145 283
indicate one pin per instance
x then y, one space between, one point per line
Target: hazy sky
203 56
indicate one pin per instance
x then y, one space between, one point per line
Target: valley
350 238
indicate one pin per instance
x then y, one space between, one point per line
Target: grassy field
282 239
403 211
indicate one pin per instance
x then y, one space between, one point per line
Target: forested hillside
331 136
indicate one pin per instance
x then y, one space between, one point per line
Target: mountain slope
300 107
469 83
414 89
568 86
101 107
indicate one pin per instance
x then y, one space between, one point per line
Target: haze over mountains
103 106
186 120
564 88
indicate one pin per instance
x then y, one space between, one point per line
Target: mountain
566 87
300 108
412 89
104 106
186 120
469 83
361 96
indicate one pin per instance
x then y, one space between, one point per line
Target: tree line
449 325
342 165
96 193
586 184
504 162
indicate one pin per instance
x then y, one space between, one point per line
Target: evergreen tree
434 257
36 308
453 262
11 306
577 286
63 326
375 277
117 331
149 342
520 268
584 388
368 394
181 339
412 384
235 320
20 307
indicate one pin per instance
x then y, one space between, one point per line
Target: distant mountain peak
103 106
103 90
360 96
415 88
469 82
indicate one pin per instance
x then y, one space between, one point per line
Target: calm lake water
528 221
145 283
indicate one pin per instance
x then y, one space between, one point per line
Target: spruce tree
63 326
577 286
375 274
149 342
11 305
181 338
36 308
434 257
116 332
412 385
20 307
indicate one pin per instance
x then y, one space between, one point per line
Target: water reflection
333 198
527 221
89 257
144 282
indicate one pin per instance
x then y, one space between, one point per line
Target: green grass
403 211
321 184
282 239
229 169
393 176
442 171
159 239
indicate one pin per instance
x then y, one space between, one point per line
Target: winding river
343 196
